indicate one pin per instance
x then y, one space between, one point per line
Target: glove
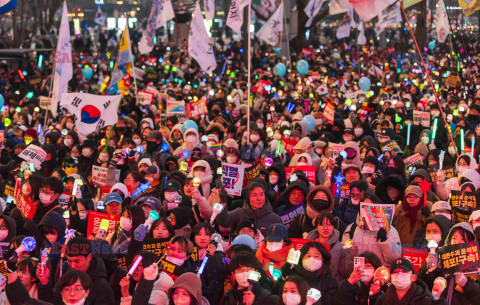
432 261
29 225
140 232
425 211
382 235
11 259
440 175
339 160
460 279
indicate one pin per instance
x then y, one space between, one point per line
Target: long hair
326 266
302 287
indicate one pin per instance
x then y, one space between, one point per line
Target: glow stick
135 265
408 133
462 140
473 147
434 133
202 266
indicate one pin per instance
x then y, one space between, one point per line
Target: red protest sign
25 205
196 108
289 145
417 257
94 219
106 189
298 243
309 170
329 113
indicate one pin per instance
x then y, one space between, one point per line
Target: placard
344 191
375 216
44 102
26 207
335 150
288 215
462 204
329 113
105 176
106 189
452 81
309 170
156 245
34 154
298 243
94 219
421 118
447 172
289 145
145 98
462 258
417 257
175 107
415 159
252 171
232 175
4 247
196 108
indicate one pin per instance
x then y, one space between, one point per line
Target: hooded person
190 283
276 247
181 220
390 189
256 206
191 140
176 136
201 169
371 170
292 199
419 176
10 229
319 200
353 154
276 177
466 167
349 207
436 228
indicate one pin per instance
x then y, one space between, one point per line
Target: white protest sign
335 150
34 154
44 102
421 118
105 176
232 175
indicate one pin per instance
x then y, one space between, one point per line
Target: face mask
448 215
83 215
87 152
321 204
231 159
137 141
26 189
348 138
311 264
126 224
260 125
368 170
435 237
171 196
3 234
273 179
45 199
367 275
242 279
355 201
291 298
451 150
200 174
461 169
401 280
69 125
277 136
254 138
172 205
358 132
191 139
81 302
68 142
274 246
302 164
425 140
435 113
103 157
175 261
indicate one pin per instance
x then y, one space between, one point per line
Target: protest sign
9 189
417 257
344 191
138 73
415 159
106 189
375 216
145 98
463 204
4 247
335 150
329 113
94 219
421 118
103 176
175 107
252 171
152 90
462 258
34 154
195 108
35 81
289 145
309 170
288 215
390 146
44 102
156 245
452 81
26 206
298 243
122 261
172 270
232 175
447 172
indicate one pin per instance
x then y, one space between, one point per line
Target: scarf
279 257
120 246
412 212
311 213
205 182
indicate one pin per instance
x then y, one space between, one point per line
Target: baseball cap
413 189
173 184
112 197
276 232
146 161
402 263
246 240
153 203
152 169
441 206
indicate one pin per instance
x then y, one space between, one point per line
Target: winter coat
262 296
395 181
356 160
282 204
444 188
443 222
157 290
337 253
279 257
401 222
347 211
417 294
278 168
357 294
17 294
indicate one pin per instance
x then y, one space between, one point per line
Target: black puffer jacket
417 294
394 181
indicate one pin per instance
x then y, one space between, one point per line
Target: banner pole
249 70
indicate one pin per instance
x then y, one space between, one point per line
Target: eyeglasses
75 289
3 227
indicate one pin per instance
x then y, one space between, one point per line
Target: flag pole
111 127
249 70
131 58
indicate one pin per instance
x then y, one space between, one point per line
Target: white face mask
355 201
273 179
126 224
291 298
260 125
69 125
200 174
242 279
254 138
274 246
68 142
87 152
401 280
461 169
348 138
451 150
3 234
175 261
435 113
368 170
172 205
191 139
231 159
312 264
435 237
45 199
83 215
137 141
425 140
81 302
277 136
26 189
103 157
358 132
367 275
171 196
302 164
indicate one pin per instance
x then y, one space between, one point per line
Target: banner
175 107
389 17
92 112
6 6
417 257
199 45
447 172
312 9
462 204
26 207
462 258
146 42
421 118
289 145
120 76
329 113
367 9
252 171
196 108
298 243
34 154
309 170
106 189
235 15
469 6
156 245
105 176
442 24
166 12
94 219
99 17
232 176
288 215
416 159
44 102
272 30
145 98
376 216
209 7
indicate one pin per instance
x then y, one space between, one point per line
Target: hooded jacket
417 294
187 145
278 168
401 222
12 228
283 204
356 160
395 181
443 222
445 187
205 182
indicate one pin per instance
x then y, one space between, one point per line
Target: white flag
209 6
344 27
63 62
389 17
367 9
361 36
271 31
99 17
312 9
235 15
443 26
338 7
166 12
92 112
199 45
146 43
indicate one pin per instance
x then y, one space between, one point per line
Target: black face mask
151 146
321 204
121 129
